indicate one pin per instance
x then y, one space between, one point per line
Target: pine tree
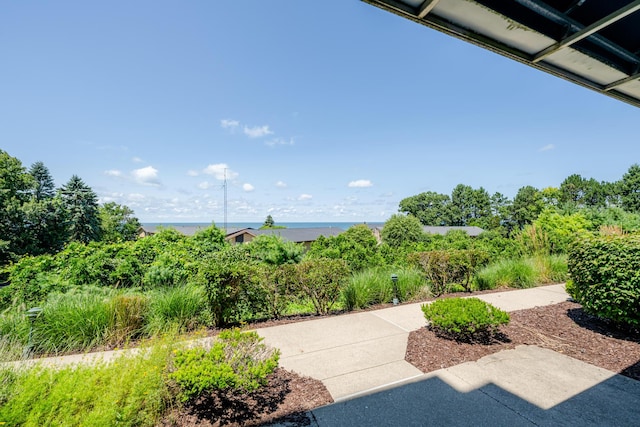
81 204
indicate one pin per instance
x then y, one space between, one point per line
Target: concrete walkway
360 359
357 353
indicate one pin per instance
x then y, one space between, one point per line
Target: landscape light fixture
32 314
394 279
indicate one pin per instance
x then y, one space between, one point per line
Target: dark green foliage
15 184
430 208
43 188
526 206
629 188
445 267
273 250
229 279
402 230
357 246
321 280
464 319
117 223
605 272
81 204
276 283
237 361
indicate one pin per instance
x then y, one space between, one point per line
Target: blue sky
328 110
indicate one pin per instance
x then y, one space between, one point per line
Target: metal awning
594 43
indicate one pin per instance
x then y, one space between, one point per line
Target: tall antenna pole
225 200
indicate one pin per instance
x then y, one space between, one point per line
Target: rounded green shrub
237 361
464 319
605 276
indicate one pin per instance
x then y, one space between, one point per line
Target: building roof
472 231
593 43
296 235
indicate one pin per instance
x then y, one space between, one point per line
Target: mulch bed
286 399
564 328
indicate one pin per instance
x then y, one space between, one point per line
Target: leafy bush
229 280
449 266
605 277
237 360
464 319
321 280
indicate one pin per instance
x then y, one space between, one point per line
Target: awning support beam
587 31
426 7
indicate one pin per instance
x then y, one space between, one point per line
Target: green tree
44 188
469 206
357 246
117 222
527 205
630 189
81 204
15 184
430 208
400 230
268 222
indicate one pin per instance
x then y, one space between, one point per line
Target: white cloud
360 183
146 176
113 172
136 160
248 187
305 197
193 172
279 141
257 131
229 124
548 147
281 184
218 171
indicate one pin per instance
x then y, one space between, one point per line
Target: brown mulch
286 399
564 328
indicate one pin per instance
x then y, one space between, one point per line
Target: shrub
464 319
605 277
321 280
237 360
449 266
228 280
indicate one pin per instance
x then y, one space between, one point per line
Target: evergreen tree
81 204
44 187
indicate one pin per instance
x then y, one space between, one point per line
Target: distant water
341 225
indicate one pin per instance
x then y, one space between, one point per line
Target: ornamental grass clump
465 319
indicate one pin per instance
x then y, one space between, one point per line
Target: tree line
38 218
467 206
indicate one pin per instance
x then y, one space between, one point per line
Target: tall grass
522 273
374 286
178 309
128 391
